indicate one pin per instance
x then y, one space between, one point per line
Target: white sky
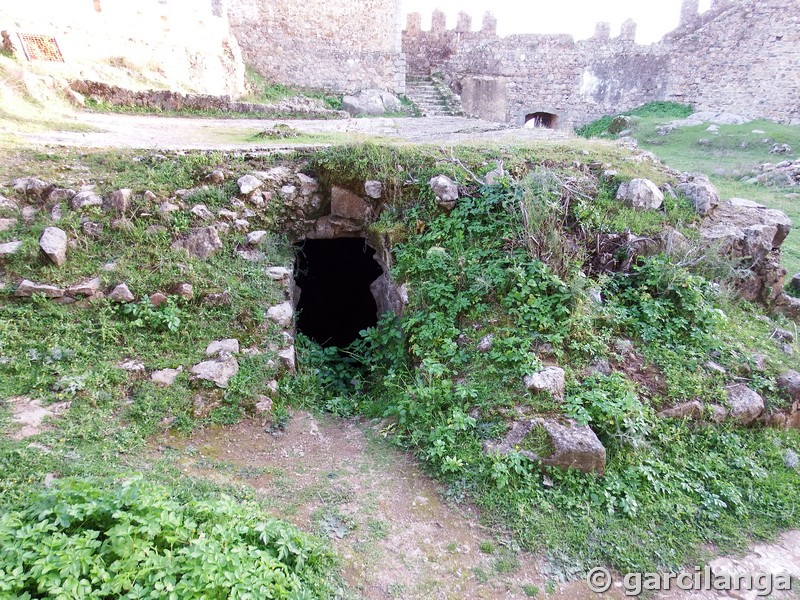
577 17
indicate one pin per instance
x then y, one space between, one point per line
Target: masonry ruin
740 56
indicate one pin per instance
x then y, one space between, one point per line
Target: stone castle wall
185 45
339 45
742 56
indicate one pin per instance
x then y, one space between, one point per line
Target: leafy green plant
143 315
131 540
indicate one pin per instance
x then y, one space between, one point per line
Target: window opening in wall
541 119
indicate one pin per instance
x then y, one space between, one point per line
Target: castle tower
602 31
489 26
690 10
438 22
628 31
413 23
464 23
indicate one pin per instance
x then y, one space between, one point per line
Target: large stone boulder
740 214
789 383
53 244
372 102
248 184
745 404
200 243
573 446
640 194
700 191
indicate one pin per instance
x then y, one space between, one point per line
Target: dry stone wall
742 56
339 45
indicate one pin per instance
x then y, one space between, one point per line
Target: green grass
267 92
726 156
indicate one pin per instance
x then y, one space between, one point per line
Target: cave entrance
541 119
335 300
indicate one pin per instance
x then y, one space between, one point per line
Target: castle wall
742 56
338 45
184 43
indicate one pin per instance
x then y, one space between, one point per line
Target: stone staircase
432 97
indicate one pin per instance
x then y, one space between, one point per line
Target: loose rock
789 384
219 371
700 191
256 238
185 291
87 288
287 356
118 201
53 244
746 405
687 410
223 347
121 293
201 212
27 288
201 243
486 343
248 184
6 224
550 379
282 314
640 194
279 273
165 377
157 299
31 186
373 189
85 199
574 446
9 249
446 191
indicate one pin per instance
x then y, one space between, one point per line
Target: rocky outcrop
697 188
573 446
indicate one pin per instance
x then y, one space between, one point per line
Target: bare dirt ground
396 536
175 133
389 522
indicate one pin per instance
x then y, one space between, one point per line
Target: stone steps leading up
432 97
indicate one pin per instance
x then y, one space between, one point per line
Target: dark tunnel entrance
335 298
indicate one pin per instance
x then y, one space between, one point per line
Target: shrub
81 540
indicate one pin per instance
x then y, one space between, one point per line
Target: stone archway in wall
342 283
541 119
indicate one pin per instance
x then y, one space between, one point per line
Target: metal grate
40 47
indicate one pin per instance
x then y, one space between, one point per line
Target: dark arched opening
334 278
541 119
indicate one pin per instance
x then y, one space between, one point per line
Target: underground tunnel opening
334 278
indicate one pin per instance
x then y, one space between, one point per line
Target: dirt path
174 133
396 536
394 533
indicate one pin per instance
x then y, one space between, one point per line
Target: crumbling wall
184 45
741 56
338 45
